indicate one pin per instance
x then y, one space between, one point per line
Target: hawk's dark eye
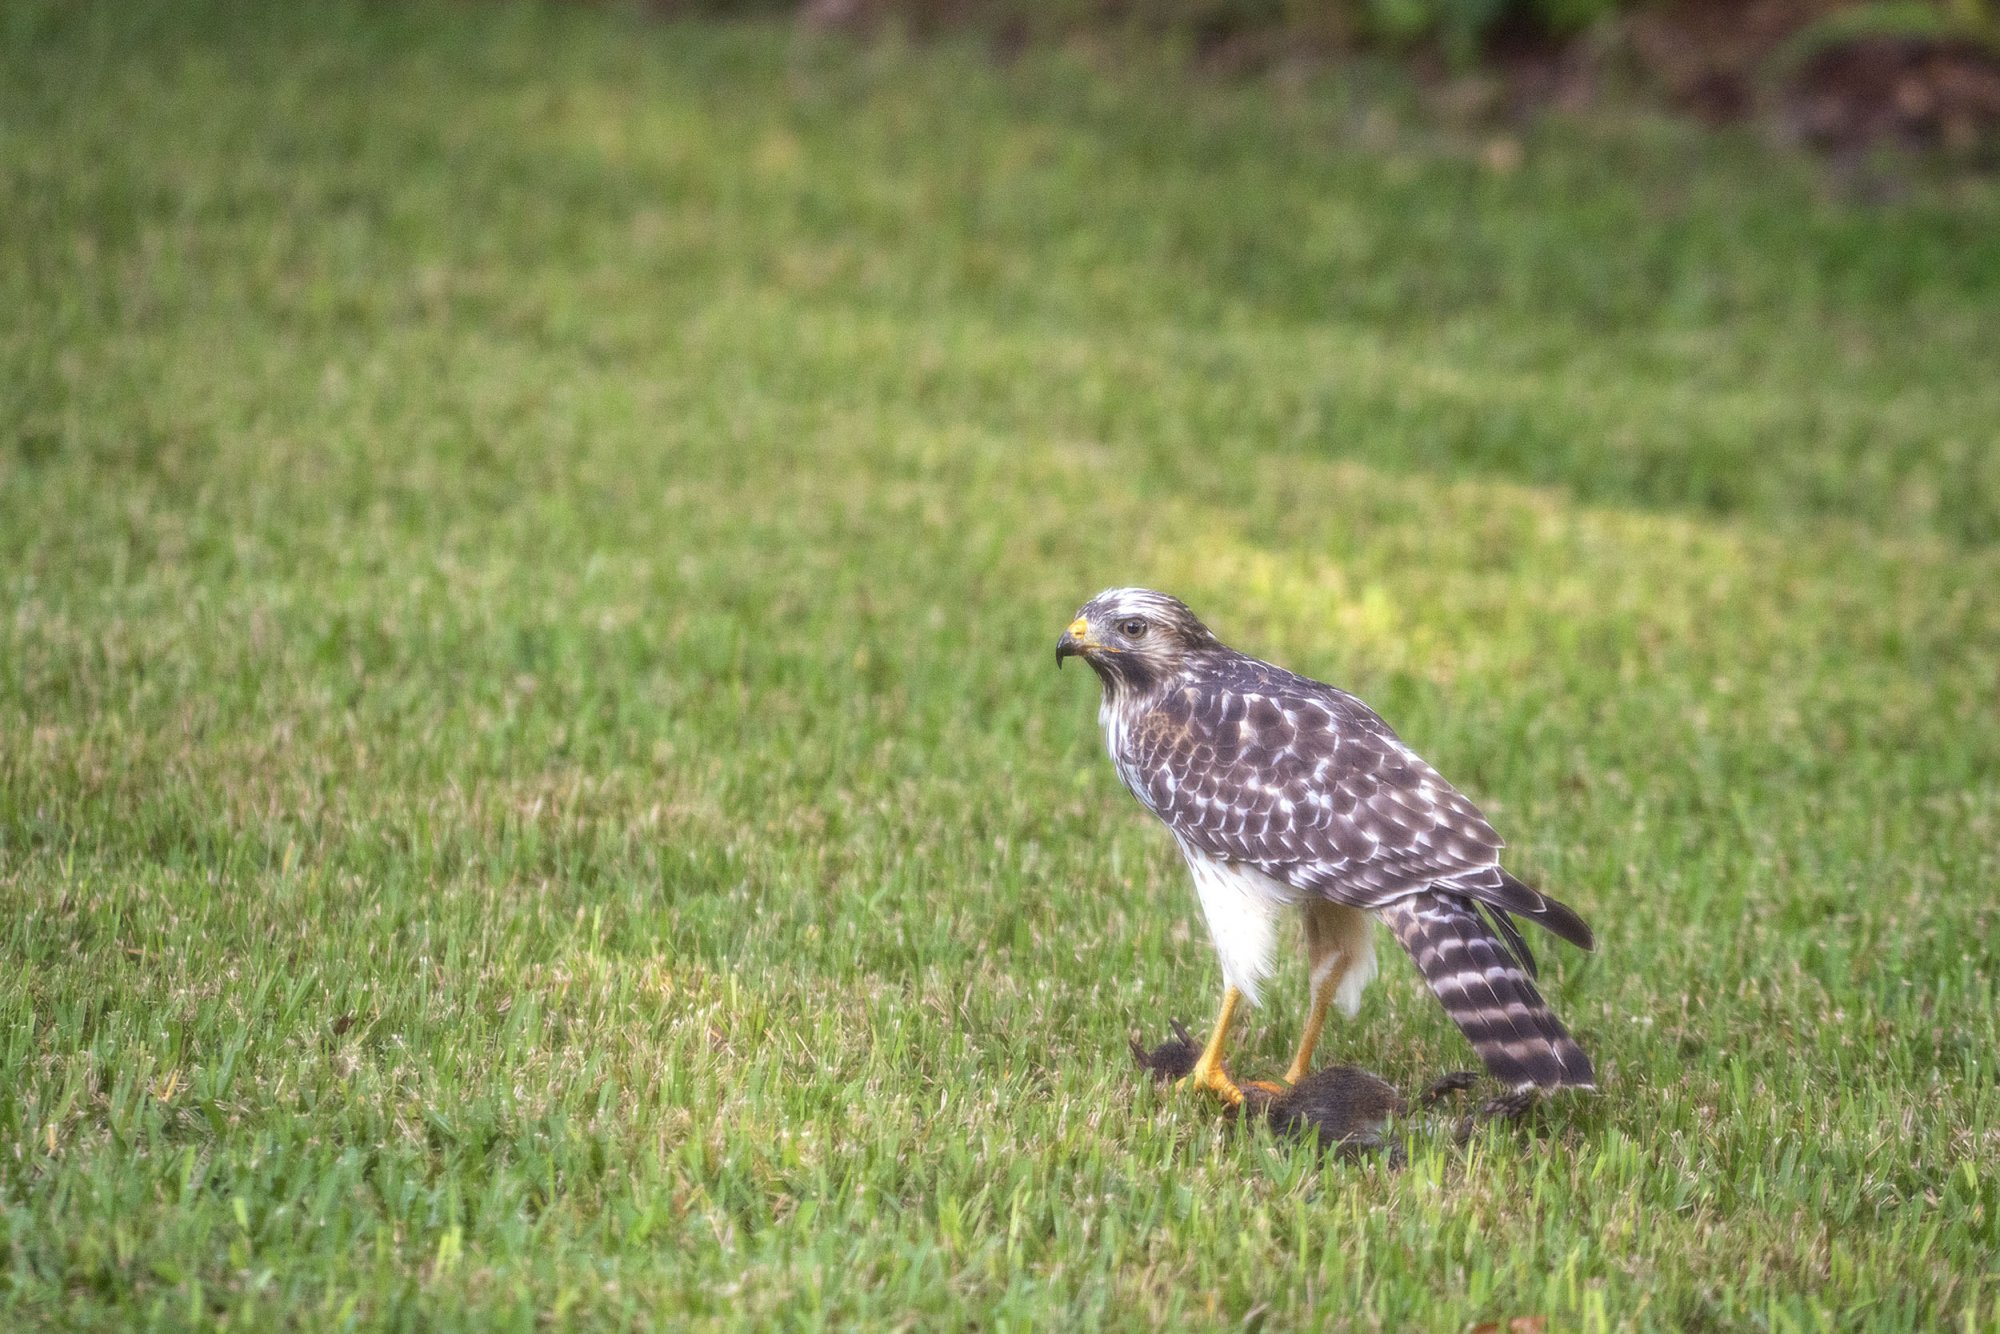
1133 628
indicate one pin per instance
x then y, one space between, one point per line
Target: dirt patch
1709 58
1823 74
1819 72
1918 94
1840 76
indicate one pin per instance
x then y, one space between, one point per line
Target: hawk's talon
1210 1077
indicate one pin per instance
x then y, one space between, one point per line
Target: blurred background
1836 74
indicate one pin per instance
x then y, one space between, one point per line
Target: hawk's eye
1133 628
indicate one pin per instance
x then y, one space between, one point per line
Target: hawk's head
1133 636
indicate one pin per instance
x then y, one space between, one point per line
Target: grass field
533 784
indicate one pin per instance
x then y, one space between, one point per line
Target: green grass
533 787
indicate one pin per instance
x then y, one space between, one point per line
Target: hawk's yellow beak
1074 640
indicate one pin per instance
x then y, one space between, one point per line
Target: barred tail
1487 993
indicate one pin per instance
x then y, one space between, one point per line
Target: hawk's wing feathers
1255 764
1251 763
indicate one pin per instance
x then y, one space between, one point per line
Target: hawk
1284 793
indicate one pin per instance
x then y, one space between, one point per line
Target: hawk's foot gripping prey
1286 793
1208 1074
1181 1059
1343 1108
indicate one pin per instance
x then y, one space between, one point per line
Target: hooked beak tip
1075 639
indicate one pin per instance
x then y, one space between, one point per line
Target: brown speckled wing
1253 764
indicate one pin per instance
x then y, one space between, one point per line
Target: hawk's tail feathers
1487 993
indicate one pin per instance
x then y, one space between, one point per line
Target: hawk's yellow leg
1302 1060
1208 1073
